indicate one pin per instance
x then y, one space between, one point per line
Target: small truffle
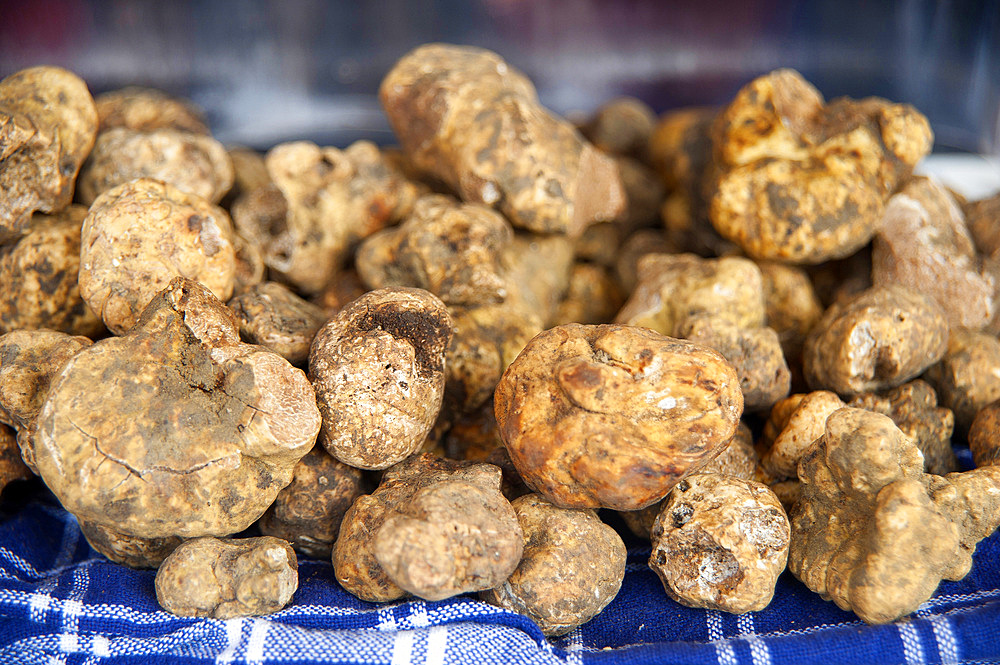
378 371
984 436
720 543
39 273
538 270
795 424
274 317
872 531
451 249
621 126
612 416
308 512
879 339
47 126
968 376
139 236
148 109
434 528
223 579
593 296
791 305
466 117
572 567
193 163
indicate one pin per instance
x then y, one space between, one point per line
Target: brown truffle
39 273
612 415
593 296
308 512
12 467
801 181
209 577
913 407
633 248
148 109
193 163
434 528
465 116
872 531
451 249
131 551
29 361
47 126
378 371
274 317
622 126
983 219
572 567
538 270
176 429
791 305
323 201
720 543
968 376
139 236
924 245
984 435
486 341
879 339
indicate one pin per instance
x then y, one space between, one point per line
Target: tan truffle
148 109
39 272
791 305
486 341
801 181
613 416
324 200
465 116
983 219
139 236
378 371
874 533
12 467
29 361
223 579
924 245
879 339
308 512
47 126
720 543
622 126
593 296
795 424
572 567
434 527
192 163
203 430
968 376
537 270
131 551
451 249
633 248
913 407
274 317
984 436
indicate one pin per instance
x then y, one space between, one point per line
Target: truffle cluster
751 330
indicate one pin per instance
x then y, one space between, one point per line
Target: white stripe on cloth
437 645
255 643
724 651
759 651
41 600
402 647
234 635
913 651
946 642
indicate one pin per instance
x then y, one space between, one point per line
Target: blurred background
272 70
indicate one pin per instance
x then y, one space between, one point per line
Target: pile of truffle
507 323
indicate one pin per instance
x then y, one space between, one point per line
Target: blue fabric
61 602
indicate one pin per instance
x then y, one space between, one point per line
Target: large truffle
572 567
47 126
139 236
209 577
468 118
378 371
801 181
148 109
176 429
612 415
872 531
434 528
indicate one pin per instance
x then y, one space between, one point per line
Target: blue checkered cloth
61 602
